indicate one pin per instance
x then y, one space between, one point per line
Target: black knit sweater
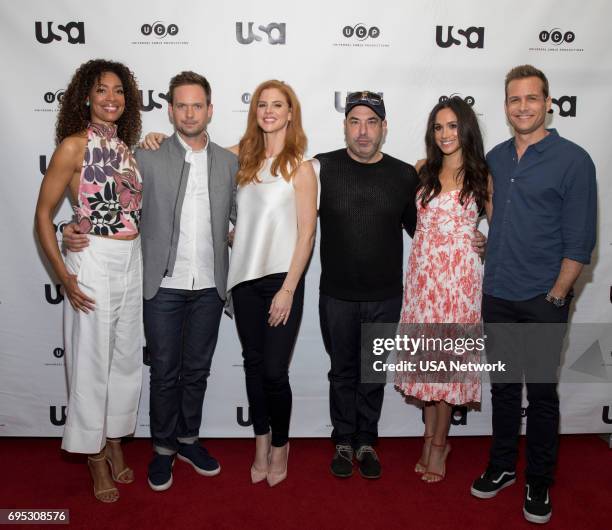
362 210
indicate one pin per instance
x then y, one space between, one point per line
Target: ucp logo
159 29
556 36
361 32
52 97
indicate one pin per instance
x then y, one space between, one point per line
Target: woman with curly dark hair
75 111
99 119
444 273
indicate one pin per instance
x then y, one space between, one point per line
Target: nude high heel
276 477
262 445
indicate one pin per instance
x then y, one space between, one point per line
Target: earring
87 103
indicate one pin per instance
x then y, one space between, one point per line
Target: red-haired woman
99 120
273 240
274 235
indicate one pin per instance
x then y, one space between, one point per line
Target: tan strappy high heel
107 495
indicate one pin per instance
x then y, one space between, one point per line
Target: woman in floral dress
444 273
98 121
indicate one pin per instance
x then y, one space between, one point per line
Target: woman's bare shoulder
72 145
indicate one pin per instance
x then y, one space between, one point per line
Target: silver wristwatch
557 302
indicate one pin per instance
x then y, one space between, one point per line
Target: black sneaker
198 457
491 482
369 465
342 463
537 507
160 472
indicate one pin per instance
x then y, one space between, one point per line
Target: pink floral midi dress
443 285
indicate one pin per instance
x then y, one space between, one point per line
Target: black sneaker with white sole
537 507
491 482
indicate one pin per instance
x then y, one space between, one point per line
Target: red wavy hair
251 150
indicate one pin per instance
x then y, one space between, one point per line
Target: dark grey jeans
181 329
354 406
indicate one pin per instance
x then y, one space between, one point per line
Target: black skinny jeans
267 352
518 335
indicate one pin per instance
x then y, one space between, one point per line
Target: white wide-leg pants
103 348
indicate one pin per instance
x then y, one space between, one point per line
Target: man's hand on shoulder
152 141
73 240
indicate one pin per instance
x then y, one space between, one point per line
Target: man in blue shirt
542 233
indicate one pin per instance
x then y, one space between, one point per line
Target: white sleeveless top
266 228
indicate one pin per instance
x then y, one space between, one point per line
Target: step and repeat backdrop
413 52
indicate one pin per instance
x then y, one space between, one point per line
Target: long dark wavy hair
74 113
473 172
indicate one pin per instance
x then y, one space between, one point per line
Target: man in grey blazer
188 203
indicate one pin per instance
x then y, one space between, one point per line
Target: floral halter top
110 188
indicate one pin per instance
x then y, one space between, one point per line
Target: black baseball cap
368 99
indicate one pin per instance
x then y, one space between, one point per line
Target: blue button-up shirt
544 210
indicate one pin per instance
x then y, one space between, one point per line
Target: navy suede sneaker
198 457
160 472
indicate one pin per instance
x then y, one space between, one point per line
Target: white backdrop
414 52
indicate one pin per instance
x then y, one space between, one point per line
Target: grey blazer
164 175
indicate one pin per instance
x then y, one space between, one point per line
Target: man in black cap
366 198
